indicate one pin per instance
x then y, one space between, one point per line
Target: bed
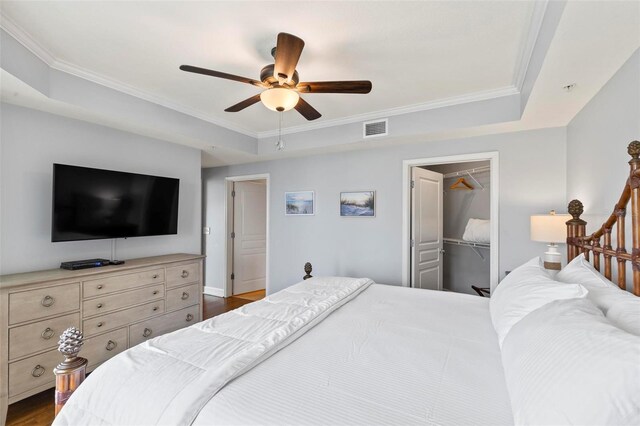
332 350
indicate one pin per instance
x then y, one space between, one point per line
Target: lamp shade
549 228
279 99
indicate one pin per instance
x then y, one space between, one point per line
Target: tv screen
93 204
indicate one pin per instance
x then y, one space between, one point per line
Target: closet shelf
465 243
470 173
474 246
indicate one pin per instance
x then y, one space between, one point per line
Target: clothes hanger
461 183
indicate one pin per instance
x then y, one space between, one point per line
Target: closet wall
463 267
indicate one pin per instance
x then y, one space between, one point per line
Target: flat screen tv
91 204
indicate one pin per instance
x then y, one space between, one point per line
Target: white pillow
626 315
524 290
579 270
566 364
478 231
621 307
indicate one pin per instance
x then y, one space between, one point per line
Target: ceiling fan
282 83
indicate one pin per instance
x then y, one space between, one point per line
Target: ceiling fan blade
356 86
244 104
307 110
219 74
288 51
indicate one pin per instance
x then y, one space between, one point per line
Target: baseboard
213 291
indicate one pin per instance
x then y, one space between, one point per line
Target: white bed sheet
393 356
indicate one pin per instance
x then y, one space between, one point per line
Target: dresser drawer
32 372
155 327
112 302
121 318
98 349
93 288
43 302
182 297
36 337
183 274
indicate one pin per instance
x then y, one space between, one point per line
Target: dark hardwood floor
37 410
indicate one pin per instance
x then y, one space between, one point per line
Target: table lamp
552 229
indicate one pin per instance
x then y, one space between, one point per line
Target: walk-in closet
452 205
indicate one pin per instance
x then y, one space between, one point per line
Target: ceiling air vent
376 128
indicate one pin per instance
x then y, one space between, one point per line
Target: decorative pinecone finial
307 270
70 342
575 208
634 149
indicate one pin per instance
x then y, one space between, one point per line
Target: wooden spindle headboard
578 242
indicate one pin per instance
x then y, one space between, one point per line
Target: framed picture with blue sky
358 204
299 203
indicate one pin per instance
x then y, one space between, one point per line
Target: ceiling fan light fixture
279 99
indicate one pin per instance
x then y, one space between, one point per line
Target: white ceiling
433 54
413 52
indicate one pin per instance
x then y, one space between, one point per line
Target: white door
426 229
249 236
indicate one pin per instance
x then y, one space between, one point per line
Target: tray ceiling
415 53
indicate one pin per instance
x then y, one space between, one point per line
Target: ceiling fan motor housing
266 76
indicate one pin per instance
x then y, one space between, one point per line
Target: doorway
450 222
247 236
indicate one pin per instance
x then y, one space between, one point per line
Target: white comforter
391 356
169 379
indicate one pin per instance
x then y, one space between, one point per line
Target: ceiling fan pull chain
280 143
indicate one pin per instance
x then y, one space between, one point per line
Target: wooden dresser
116 307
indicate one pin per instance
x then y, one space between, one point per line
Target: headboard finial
575 209
307 270
634 149
70 342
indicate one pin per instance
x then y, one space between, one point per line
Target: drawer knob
100 324
185 295
111 345
155 308
38 371
155 292
47 333
47 301
147 332
99 305
99 287
189 317
185 273
155 276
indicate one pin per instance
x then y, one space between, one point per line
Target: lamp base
552 258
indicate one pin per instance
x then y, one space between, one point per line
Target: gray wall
597 138
532 180
462 266
31 141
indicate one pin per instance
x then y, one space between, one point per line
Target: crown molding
33 46
440 103
48 58
537 18
85 74
25 39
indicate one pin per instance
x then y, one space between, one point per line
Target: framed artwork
358 204
300 203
